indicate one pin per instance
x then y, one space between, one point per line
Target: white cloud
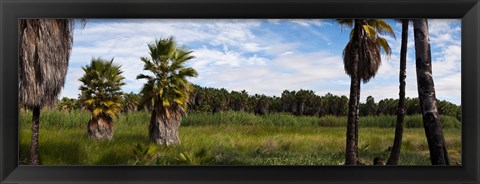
292 71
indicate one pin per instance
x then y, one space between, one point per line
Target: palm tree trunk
357 112
351 151
397 142
163 129
426 94
351 145
100 128
34 157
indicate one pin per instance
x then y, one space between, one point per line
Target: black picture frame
467 10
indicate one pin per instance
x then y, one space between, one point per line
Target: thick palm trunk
426 94
397 142
34 157
100 128
163 129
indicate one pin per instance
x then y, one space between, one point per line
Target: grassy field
230 138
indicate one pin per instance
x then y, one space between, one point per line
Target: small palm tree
361 59
101 95
167 89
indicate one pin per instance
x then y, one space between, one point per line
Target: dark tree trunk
261 108
301 108
357 112
294 107
397 142
34 156
351 150
100 128
163 129
426 94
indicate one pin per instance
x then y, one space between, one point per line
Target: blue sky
265 56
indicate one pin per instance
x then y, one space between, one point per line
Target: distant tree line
301 102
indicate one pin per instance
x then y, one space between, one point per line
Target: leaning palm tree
44 51
426 94
167 89
397 142
101 95
361 59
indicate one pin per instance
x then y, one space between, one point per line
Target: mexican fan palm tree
361 59
167 89
131 101
426 94
67 104
101 95
397 142
44 51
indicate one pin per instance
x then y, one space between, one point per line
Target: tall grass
78 119
229 138
285 119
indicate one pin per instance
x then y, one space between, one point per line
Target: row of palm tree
45 46
204 100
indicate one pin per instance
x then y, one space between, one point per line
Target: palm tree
131 101
167 89
101 95
397 142
44 51
426 94
361 59
67 104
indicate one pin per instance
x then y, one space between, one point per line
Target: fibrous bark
100 128
164 125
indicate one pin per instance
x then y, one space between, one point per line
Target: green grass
229 138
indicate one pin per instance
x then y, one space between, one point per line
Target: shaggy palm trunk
397 142
34 157
426 94
163 129
44 47
351 151
100 128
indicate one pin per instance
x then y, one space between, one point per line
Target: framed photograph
239 91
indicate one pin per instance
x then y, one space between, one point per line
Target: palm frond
384 44
382 27
371 32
